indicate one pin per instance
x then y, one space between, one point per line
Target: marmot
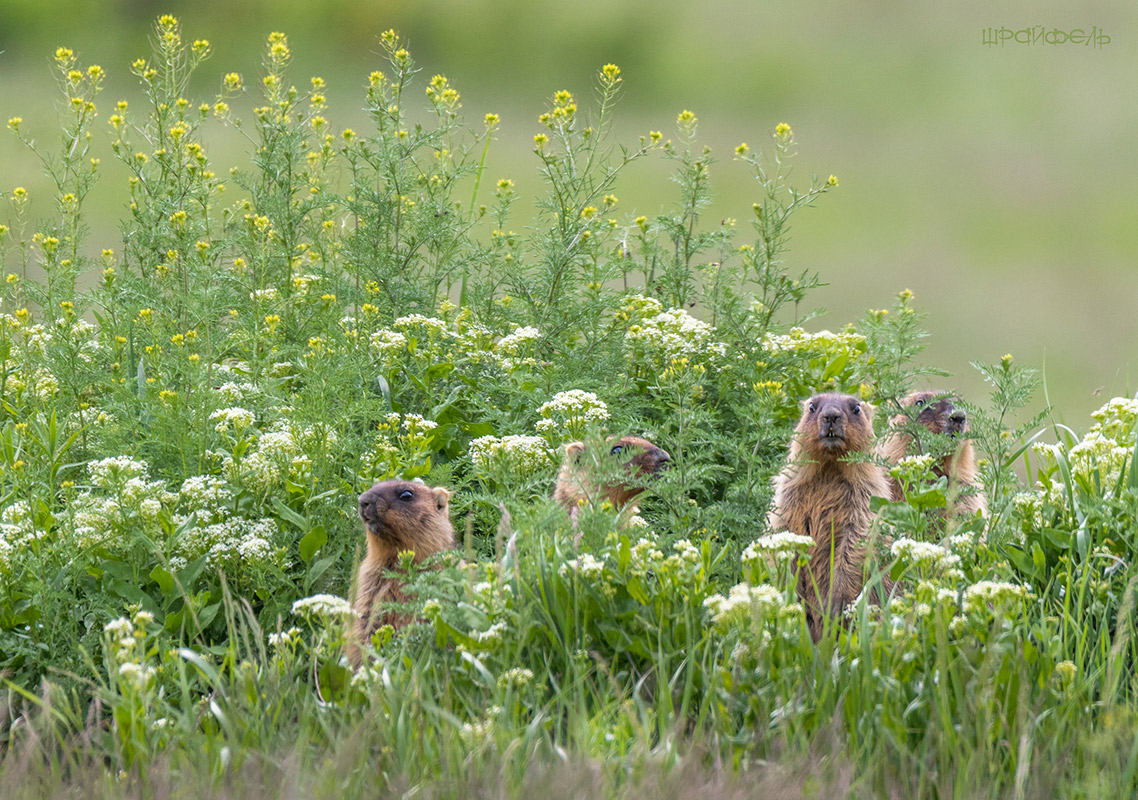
822 494
397 515
939 413
638 457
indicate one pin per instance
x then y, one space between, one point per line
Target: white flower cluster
94 515
797 340
137 675
587 566
518 678
125 639
236 393
433 325
646 555
279 641
675 334
1117 419
239 418
914 470
236 543
782 544
925 555
744 603
521 337
1107 447
511 350
492 635
520 455
110 473
569 409
279 454
637 308
388 343
992 594
44 385
323 607
687 555
1029 507
475 735
16 530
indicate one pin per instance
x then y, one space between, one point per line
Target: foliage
186 422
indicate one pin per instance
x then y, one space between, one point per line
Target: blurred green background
999 184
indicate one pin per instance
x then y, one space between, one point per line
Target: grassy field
202 372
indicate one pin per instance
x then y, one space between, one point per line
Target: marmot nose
369 501
367 507
829 416
958 418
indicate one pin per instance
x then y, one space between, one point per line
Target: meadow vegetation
189 415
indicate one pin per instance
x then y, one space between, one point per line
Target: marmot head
408 515
937 411
638 458
833 425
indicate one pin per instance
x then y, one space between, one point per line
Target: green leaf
311 542
287 514
320 567
836 366
161 576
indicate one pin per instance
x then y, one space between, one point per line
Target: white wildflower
674 334
985 594
924 554
325 606
743 603
239 418
109 473
798 340
388 343
587 566
521 455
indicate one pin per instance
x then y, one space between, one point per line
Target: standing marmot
823 495
939 413
397 515
575 481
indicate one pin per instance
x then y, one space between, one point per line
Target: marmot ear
868 408
442 497
573 450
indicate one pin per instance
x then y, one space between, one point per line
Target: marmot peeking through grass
637 458
823 494
939 413
397 515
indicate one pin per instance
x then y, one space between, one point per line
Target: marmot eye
406 495
920 404
857 408
813 408
617 450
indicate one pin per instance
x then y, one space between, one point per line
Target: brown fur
822 495
395 522
575 484
941 416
